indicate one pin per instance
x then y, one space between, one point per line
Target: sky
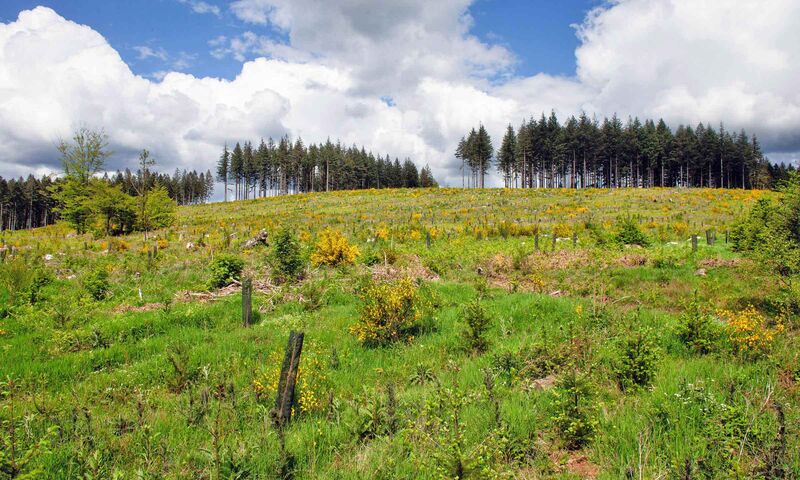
403 77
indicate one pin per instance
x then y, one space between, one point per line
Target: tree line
583 152
92 200
285 167
30 202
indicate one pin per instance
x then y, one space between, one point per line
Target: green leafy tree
113 210
85 155
159 210
81 159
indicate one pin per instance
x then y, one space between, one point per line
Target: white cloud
680 59
202 7
145 52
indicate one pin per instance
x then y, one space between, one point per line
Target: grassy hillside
599 360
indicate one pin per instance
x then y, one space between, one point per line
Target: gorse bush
629 232
697 328
636 361
225 269
333 249
478 323
96 283
749 333
389 312
286 259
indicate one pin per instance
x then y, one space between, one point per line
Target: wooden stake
285 398
247 301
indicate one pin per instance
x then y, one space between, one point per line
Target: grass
170 385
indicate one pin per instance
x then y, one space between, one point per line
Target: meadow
539 334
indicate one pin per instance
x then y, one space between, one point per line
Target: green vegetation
225 269
448 334
287 260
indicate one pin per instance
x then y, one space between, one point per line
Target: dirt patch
498 266
261 286
719 262
409 266
147 307
541 384
632 260
559 260
580 465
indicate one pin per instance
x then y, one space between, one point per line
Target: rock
48 257
701 272
260 239
189 246
545 383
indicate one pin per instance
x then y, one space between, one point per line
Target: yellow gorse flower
333 249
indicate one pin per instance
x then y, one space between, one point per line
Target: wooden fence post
536 241
284 398
247 301
708 237
428 239
574 239
554 241
694 243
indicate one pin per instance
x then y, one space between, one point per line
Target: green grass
103 372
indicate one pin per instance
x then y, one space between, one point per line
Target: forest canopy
585 152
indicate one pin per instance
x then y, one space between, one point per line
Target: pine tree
223 166
237 169
506 157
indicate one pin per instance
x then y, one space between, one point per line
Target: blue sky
400 77
538 32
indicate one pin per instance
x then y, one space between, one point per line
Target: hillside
540 342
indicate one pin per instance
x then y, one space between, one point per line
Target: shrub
333 249
637 358
749 333
629 233
574 415
16 277
41 278
771 233
287 262
478 323
697 329
225 269
96 283
389 313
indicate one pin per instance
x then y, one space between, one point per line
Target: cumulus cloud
683 60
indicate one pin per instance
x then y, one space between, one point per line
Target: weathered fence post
247 301
428 239
726 236
574 239
536 241
708 237
694 243
284 398
554 241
